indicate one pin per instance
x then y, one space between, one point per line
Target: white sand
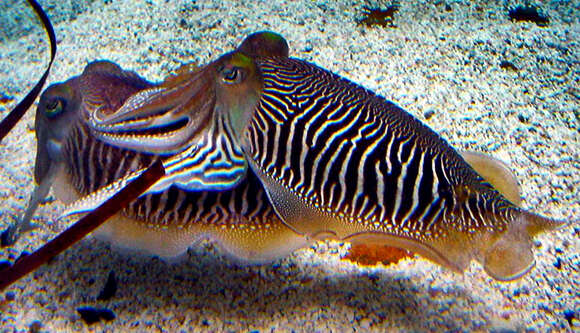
447 62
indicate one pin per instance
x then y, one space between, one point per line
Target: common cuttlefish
264 154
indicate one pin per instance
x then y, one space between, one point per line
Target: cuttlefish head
238 89
238 79
170 117
55 116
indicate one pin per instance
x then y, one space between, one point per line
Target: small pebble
92 315
428 114
10 296
4 264
35 327
558 263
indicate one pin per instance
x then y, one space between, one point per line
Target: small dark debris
107 314
508 65
5 98
380 17
528 13
448 7
524 120
4 264
558 263
10 296
559 250
22 255
569 315
109 289
89 314
428 114
92 315
35 327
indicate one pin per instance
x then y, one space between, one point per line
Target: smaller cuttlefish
83 171
331 159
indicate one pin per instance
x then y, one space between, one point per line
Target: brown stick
15 115
82 227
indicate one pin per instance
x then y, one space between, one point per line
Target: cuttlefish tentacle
166 223
339 161
159 119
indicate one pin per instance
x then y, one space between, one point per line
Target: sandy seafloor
436 61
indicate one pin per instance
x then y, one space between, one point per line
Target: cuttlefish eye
236 68
54 106
232 74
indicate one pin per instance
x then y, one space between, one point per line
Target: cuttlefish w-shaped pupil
232 74
55 106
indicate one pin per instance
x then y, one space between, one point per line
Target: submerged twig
16 114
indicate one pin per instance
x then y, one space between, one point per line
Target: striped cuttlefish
264 154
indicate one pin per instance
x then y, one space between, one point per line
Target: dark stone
89 314
35 327
528 13
107 314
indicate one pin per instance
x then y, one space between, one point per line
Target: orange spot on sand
370 255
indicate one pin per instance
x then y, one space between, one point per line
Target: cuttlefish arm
167 118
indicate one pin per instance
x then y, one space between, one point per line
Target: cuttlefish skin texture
164 223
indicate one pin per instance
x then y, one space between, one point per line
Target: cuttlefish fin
495 172
510 256
505 254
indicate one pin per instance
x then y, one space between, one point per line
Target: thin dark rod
82 227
